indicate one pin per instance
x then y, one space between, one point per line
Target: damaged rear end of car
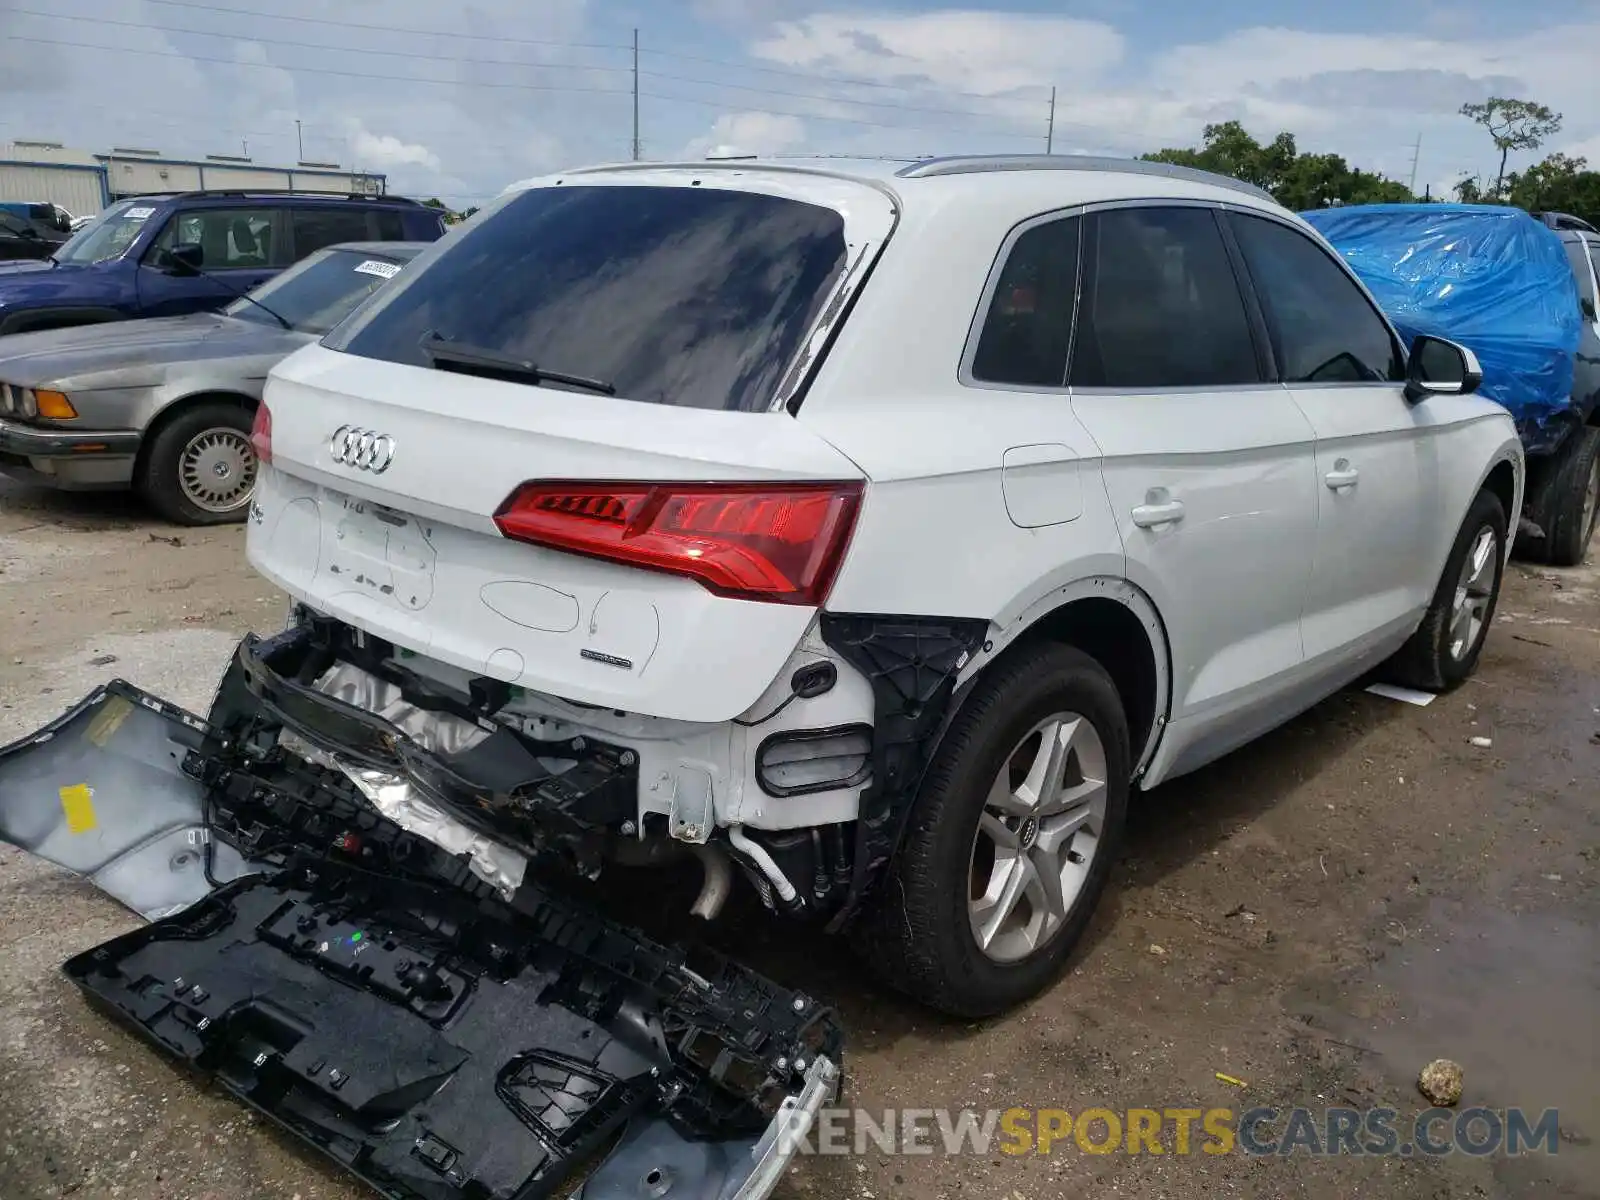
558 559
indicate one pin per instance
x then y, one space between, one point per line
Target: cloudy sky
458 100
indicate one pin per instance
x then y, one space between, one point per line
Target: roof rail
973 164
1561 220
198 193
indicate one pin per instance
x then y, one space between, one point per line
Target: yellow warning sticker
77 802
108 720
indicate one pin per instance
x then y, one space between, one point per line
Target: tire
1441 654
191 450
1574 500
919 933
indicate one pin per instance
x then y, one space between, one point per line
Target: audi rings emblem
364 449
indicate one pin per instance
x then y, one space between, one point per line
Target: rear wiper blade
475 360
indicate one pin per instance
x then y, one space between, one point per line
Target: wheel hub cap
1037 837
217 470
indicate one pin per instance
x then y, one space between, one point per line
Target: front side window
232 238
1028 328
315 228
690 296
1324 329
1160 305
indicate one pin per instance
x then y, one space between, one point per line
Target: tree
1560 183
433 202
1296 180
1514 125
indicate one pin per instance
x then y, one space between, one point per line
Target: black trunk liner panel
446 1049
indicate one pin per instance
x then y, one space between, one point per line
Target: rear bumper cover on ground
367 994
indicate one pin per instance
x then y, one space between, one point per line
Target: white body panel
986 502
413 554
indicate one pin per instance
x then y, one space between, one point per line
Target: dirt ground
1317 917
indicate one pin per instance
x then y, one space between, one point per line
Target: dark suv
1563 497
31 231
123 266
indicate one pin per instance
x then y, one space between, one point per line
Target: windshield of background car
688 296
109 236
317 293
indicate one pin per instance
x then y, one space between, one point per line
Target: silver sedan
165 406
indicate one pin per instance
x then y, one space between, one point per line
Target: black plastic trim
912 663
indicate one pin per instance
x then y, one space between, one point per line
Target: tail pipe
716 883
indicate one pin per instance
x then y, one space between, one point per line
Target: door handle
1342 476
1151 516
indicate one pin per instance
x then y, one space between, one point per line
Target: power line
432 33
235 62
500 40
267 41
408 54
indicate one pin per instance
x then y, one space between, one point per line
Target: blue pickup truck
121 265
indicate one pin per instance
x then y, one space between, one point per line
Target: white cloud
502 90
748 133
381 151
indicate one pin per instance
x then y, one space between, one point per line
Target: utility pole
635 95
1050 129
299 142
1416 155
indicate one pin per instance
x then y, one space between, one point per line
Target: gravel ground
1317 916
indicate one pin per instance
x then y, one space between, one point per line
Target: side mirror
186 258
1438 367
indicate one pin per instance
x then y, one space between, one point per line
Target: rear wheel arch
1116 624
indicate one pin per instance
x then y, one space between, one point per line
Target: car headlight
7 399
27 403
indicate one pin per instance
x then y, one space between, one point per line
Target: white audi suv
871 531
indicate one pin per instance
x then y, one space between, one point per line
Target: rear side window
675 295
1324 330
1028 328
1161 307
315 228
389 226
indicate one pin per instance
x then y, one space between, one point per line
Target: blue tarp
1487 276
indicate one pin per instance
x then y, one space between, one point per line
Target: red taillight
261 433
752 541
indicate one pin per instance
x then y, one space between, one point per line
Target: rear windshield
318 292
674 295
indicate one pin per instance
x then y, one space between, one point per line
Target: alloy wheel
1037 836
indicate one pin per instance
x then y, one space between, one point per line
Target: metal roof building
84 183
